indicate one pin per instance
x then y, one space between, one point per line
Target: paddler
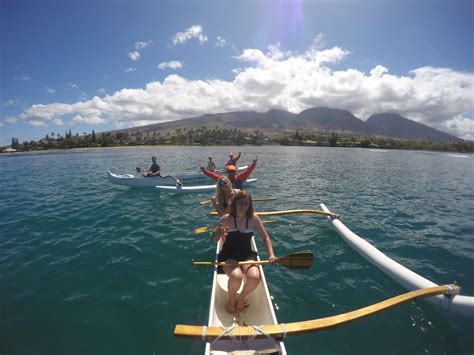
237 227
225 193
233 159
237 180
155 171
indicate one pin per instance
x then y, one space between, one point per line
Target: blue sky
104 64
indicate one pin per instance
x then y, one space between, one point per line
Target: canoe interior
259 311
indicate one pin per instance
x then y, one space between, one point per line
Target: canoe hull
260 311
152 181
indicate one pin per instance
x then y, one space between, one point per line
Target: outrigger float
257 330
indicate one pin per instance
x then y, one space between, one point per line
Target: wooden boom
279 331
277 213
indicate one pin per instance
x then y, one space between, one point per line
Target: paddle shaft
206 202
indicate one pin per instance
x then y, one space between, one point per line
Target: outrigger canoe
152 181
191 189
446 297
260 311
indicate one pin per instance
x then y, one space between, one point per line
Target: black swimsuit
237 245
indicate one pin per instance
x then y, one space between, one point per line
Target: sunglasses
222 183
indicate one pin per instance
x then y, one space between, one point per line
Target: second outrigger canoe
259 311
141 181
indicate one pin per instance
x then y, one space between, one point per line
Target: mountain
317 119
329 119
393 125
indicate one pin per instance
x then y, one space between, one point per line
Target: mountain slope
329 119
393 125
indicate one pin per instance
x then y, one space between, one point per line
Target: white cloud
50 91
101 91
192 32
72 86
2 124
11 119
439 97
11 103
220 42
88 120
142 44
58 122
171 65
135 55
129 70
23 77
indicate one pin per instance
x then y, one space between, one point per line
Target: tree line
224 136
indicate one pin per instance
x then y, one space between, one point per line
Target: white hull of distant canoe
195 188
152 181
260 311
457 306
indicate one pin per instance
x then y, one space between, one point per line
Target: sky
84 65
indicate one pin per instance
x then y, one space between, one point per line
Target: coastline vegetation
223 136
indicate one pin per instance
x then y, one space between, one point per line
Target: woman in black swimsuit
237 227
224 196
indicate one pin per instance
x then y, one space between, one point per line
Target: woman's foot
241 305
230 307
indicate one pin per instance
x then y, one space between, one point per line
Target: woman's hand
273 259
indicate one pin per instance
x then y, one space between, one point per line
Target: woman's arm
266 239
221 229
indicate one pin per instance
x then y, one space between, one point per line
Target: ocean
88 267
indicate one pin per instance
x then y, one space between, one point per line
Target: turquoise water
87 267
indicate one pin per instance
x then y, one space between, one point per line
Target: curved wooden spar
278 213
200 230
206 202
279 331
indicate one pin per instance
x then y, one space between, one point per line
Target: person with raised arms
233 159
237 180
237 227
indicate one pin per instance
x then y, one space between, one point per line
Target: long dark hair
239 196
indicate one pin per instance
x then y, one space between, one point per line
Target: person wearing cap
232 160
237 180
211 166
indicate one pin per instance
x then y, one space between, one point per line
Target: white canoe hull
195 189
260 311
152 181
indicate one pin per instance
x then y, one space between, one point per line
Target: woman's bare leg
235 280
252 279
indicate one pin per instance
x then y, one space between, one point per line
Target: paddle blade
139 170
201 230
302 260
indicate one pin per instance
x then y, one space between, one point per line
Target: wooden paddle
206 202
278 213
212 229
301 260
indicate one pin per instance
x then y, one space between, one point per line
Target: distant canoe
152 181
